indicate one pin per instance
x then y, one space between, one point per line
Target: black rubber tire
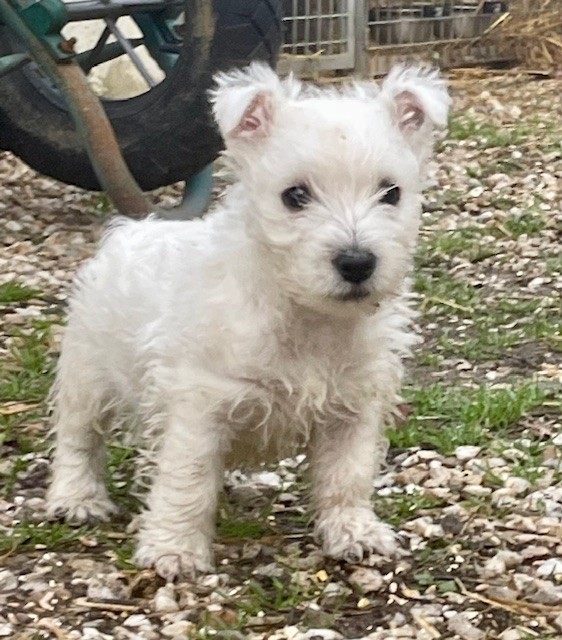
166 134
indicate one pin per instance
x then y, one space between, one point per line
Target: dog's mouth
357 292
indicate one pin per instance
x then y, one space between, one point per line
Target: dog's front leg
178 525
344 458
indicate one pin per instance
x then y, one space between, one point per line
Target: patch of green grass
426 578
14 429
100 204
401 507
27 373
528 223
240 529
440 246
429 359
123 550
13 291
445 417
528 463
9 480
489 327
481 345
26 536
121 463
431 565
274 595
505 325
503 165
553 264
487 135
502 203
57 535
441 289
278 595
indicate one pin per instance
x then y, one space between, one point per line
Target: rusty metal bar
100 140
90 120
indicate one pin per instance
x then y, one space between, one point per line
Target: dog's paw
73 508
172 563
351 534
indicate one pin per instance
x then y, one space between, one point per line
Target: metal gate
446 32
367 37
318 35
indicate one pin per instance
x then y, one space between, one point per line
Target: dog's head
334 177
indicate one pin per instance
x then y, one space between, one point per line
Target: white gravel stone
178 629
477 490
535 551
272 570
517 485
411 460
90 633
439 476
461 625
99 591
214 580
8 581
267 479
325 634
164 600
136 620
552 567
500 563
467 452
13 225
109 586
428 454
369 580
503 497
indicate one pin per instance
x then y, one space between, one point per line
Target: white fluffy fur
231 337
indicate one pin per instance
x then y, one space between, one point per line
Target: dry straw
532 32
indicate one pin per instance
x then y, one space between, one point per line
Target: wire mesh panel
318 34
418 28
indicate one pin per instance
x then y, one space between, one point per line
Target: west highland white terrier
278 323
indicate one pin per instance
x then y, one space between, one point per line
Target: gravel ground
473 481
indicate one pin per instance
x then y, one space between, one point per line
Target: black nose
355 265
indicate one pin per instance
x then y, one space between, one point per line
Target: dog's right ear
244 103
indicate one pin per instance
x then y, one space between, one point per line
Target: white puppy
278 322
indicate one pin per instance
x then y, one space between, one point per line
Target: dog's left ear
418 101
244 103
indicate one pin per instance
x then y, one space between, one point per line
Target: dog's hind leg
77 489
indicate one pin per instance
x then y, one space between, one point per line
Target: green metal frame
159 37
87 112
45 19
38 24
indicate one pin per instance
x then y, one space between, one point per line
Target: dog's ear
244 103
418 101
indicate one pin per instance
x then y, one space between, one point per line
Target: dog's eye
296 198
391 193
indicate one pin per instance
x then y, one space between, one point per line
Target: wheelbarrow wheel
166 134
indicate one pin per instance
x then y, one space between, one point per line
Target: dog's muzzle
355 265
